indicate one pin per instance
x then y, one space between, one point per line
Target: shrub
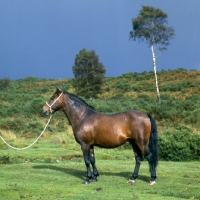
36 106
128 75
122 86
4 84
107 89
179 145
5 159
14 125
35 127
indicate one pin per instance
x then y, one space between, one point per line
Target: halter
54 102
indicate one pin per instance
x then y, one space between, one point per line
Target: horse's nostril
45 112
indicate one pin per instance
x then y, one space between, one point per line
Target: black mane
79 101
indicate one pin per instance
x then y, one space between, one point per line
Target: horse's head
54 104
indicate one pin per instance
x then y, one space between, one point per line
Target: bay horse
92 128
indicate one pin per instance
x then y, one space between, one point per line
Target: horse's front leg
86 153
92 160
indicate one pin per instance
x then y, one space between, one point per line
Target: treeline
178 113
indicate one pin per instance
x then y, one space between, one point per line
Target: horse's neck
74 115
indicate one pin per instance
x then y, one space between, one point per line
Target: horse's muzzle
45 112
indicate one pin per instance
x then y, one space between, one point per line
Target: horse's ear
58 90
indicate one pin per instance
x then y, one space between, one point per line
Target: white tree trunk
154 67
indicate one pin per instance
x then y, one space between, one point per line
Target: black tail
153 142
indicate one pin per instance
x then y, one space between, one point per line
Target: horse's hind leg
138 159
152 168
92 160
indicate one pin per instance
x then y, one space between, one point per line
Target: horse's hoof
131 181
86 182
94 180
152 182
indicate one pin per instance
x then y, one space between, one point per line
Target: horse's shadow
81 173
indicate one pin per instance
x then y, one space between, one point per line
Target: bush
34 127
4 84
107 89
122 86
5 159
179 145
14 125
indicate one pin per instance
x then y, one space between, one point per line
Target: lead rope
30 144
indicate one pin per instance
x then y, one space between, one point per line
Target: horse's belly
110 140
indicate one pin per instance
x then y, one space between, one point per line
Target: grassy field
54 169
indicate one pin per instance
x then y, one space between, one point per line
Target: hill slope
21 103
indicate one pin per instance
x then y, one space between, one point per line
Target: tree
89 74
4 84
151 26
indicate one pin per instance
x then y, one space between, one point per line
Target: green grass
54 169
64 181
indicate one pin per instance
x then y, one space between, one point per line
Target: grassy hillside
178 113
175 83
180 99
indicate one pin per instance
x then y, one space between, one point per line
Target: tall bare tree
151 27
